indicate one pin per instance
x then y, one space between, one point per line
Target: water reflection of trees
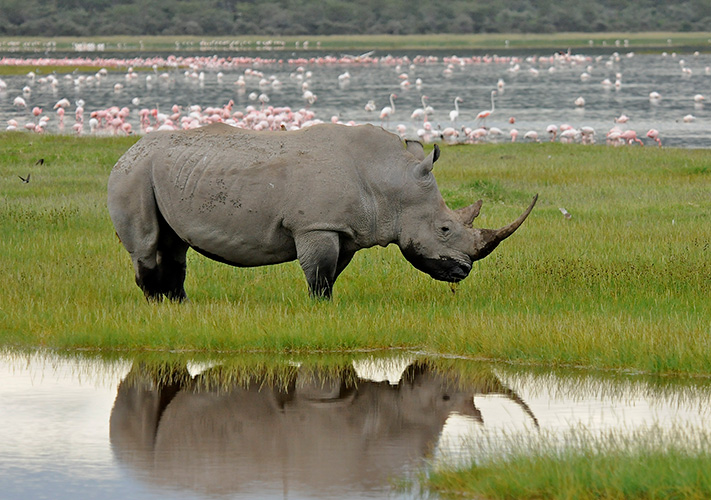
312 425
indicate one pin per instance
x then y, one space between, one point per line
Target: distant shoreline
496 43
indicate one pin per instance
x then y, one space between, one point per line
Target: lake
350 427
666 92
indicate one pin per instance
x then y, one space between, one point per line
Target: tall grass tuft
648 464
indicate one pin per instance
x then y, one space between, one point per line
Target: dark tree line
333 17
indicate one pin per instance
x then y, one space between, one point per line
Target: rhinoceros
317 194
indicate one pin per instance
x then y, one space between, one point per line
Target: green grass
655 41
643 465
622 285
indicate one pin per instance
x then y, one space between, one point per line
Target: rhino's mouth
440 268
451 270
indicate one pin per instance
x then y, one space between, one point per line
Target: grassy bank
623 284
651 41
649 465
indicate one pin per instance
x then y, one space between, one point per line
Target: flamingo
484 114
654 135
454 114
569 135
630 136
420 113
614 135
552 130
588 134
387 111
531 135
62 103
450 134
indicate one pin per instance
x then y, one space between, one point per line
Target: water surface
538 90
242 427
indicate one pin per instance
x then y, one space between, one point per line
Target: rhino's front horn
490 238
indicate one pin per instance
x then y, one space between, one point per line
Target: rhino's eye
444 229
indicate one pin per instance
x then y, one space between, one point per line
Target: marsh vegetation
622 284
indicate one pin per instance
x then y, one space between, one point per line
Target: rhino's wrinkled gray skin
257 198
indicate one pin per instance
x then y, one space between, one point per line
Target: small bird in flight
25 179
565 213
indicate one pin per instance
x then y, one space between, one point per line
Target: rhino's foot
148 280
321 291
177 296
162 281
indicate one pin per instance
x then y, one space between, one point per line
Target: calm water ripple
247 427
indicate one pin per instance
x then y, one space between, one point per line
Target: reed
623 284
641 465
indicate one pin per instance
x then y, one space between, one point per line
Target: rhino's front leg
318 255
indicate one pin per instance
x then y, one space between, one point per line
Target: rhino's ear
426 165
416 148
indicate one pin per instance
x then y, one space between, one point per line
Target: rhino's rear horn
492 237
468 214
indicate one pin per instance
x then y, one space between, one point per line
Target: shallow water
537 92
297 428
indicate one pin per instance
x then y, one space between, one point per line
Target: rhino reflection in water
310 433
316 195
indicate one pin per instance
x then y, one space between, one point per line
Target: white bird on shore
387 111
454 114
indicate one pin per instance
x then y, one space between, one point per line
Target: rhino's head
437 240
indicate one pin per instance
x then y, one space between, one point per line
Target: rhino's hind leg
171 264
318 255
160 266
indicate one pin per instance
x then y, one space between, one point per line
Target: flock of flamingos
73 117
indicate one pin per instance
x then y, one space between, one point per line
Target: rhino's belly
235 233
238 242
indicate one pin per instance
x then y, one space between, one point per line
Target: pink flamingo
614 136
450 134
79 114
588 135
531 135
654 135
60 114
483 115
630 136
552 130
